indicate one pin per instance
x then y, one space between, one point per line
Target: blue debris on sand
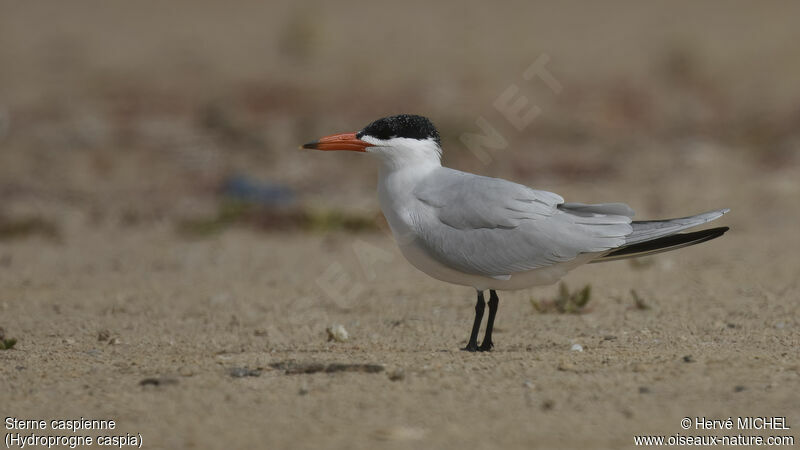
248 190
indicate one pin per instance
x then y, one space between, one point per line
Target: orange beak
343 141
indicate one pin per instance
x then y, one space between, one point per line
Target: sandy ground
719 339
120 124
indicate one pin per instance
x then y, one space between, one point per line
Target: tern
492 234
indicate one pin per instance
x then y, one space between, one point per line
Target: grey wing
492 227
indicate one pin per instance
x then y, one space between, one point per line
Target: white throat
405 162
405 153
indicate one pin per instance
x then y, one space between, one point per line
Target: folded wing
492 227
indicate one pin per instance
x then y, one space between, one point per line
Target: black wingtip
714 232
664 244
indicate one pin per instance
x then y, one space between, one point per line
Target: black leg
494 301
472 345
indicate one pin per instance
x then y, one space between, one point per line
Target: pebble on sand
576 348
337 333
397 375
158 381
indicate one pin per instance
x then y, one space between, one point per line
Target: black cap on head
402 125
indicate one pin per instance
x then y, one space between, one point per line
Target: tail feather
662 244
647 230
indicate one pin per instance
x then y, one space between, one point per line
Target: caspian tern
489 233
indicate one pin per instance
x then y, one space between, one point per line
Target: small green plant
6 344
566 302
17 228
332 220
232 213
639 302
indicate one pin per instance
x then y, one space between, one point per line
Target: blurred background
190 113
166 249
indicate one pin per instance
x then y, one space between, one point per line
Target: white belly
420 259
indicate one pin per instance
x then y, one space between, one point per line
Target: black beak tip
312 145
